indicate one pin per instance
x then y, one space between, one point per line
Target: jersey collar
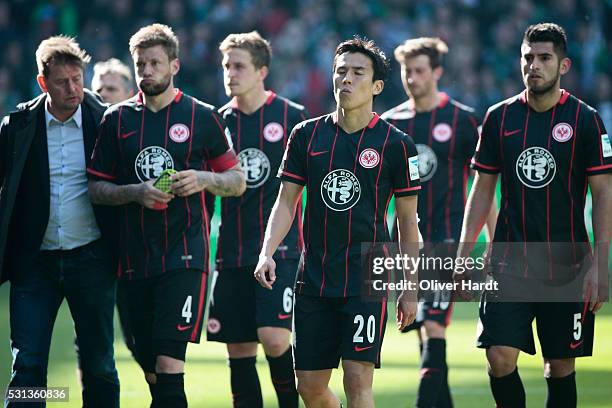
269 100
178 94
564 96
371 124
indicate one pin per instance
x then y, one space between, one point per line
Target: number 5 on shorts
187 309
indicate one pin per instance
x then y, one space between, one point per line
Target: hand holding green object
163 182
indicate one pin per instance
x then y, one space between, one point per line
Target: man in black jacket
54 243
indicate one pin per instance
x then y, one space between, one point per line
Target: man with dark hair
549 147
53 243
112 79
351 162
445 133
241 311
164 234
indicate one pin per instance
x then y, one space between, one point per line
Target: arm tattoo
107 193
230 183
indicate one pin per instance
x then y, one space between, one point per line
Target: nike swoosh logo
435 311
313 154
126 135
574 346
514 132
283 316
182 328
358 349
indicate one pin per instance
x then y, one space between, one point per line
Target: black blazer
24 177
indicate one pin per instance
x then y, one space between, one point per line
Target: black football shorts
239 305
330 329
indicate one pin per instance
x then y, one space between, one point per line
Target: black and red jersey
259 140
135 145
544 159
445 139
349 180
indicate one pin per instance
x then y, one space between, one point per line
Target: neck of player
428 102
545 101
159 102
250 102
355 119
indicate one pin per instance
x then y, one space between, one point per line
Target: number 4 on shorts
187 309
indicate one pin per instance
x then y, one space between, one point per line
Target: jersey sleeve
218 146
103 165
486 157
598 149
471 133
405 168
293 166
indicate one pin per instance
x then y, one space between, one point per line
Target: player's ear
378 86
175 66
565 65
40 78
263 72
437 73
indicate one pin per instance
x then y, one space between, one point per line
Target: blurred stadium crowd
483 36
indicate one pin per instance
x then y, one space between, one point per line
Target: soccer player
548 146
164 236
112 79
351 162
53 243
445 133
241 311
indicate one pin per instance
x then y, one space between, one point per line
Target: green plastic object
163 182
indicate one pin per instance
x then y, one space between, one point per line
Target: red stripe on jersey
100 174
432 121
185 250
166 211
550 128
178 96
523 195
403 190
224 162
382 157
569 178
311 139
449 196
331 159
201 297
238 209
185 199
351 217
604 167
142 128
485 166
221 129
286 173
501 131
261 190
285 124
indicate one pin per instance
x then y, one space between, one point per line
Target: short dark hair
253 43
548 32
59 50
434 48
380 63
156 34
